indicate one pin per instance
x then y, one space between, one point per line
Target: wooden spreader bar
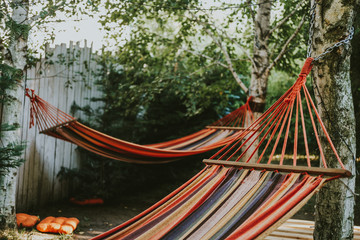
58 125
227 128
282 168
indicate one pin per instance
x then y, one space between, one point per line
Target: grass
24 234
14 234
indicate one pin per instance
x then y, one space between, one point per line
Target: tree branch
209 65
225 34
218 42
5 10
284 19
252 12
228 60
242 49
207 57
284 48
43 15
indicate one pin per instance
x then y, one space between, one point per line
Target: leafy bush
152 94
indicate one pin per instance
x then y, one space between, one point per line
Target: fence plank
38 183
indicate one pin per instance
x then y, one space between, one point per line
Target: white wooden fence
61 79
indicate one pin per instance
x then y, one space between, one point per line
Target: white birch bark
335 202
259 73
261 56
11 114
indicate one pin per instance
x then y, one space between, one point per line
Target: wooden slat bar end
282 168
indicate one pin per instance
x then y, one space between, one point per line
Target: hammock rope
273 128
56 123
233 198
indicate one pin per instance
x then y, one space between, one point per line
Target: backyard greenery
177 67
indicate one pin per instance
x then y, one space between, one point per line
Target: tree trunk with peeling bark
15 56
355 85
334 213
261 57
355 78
261 62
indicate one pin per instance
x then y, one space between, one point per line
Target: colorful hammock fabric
233 198
221 203
56 123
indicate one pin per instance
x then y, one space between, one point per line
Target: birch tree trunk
11 112
334 213
355 85
261 56
355 78
259 72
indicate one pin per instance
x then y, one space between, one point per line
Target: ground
97 219
93 219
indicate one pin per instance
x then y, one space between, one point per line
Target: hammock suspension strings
56 123
283 119
46 115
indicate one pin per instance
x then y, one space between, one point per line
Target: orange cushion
26 220
91 201
58 225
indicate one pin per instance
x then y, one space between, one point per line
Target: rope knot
30 93
302 75
306 68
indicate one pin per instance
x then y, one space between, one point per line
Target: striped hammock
56 123
222 203
244 192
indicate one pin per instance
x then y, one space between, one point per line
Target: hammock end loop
30 93
305 71
307 67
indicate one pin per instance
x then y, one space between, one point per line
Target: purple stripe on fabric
153 223
212 200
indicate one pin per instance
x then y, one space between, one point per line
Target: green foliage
297 49
10 155
109 179
157 89
191 23
18 30
279 83
14 29
9 77
154 90
152 93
